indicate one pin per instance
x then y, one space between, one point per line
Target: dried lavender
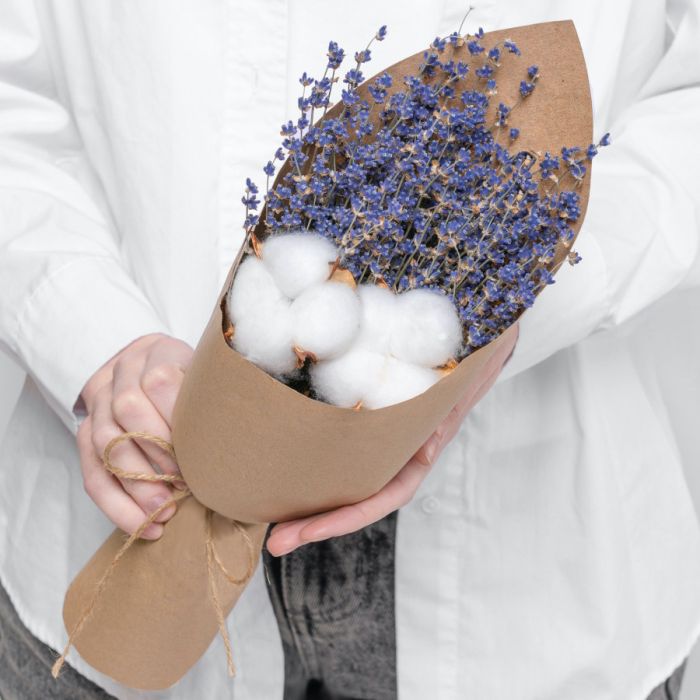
418 190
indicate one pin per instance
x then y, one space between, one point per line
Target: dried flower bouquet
406 228
404 232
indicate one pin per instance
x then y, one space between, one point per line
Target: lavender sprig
418 189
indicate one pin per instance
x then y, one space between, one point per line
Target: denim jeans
334 603
25 665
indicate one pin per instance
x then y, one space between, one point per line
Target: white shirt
553 552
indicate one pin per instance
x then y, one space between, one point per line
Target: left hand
286 537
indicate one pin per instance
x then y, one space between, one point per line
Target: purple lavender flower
508 45
416 187
526 88
335 55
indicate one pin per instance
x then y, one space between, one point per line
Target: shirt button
430 504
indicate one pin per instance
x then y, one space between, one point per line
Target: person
550 551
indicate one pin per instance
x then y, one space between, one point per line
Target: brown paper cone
255 450
155 617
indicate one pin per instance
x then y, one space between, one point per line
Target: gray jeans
25 665
25 662
334 603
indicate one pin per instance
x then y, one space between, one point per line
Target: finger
127 456
284 537
106 491
163 374
342 521
134 411
447 430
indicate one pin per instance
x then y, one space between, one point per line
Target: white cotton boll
262 319
326 319
266 340
349 378
298 260
253 288
379 310
427 330
400 381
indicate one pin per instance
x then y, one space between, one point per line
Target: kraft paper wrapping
255 450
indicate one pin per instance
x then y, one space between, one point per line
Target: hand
286 537
134 391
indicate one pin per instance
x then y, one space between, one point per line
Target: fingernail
152 532
430 450
283 551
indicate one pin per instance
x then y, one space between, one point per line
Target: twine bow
213 558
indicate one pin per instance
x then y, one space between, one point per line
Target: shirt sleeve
641 234
67 301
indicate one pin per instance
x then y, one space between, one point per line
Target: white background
10 383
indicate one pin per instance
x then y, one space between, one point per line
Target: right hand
135 391
287 536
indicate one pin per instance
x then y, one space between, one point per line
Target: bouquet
406 229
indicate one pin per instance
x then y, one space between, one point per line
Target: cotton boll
326 319
266 339
253 289
298 260
379 311
427 330
400 381
349 378
262 320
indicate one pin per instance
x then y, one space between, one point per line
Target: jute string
214 561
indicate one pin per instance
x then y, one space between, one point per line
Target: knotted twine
213 559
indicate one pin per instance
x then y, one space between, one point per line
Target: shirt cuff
75 321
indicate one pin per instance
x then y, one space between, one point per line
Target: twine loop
214 561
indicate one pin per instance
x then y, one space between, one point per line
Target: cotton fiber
426 329
298 260
253 290
262 319
379 310
348 379
326 319
400 381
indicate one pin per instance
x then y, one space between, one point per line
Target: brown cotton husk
343 276
255 450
